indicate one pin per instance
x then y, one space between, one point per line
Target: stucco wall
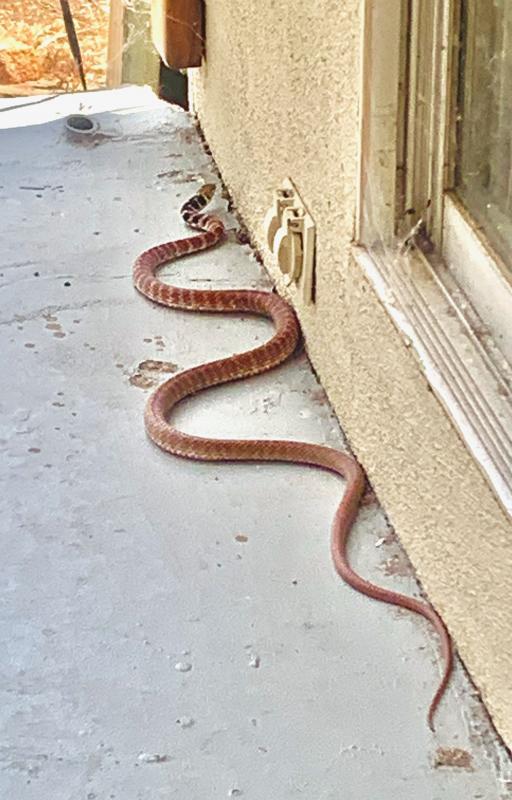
278 97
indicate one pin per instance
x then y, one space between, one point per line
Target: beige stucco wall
278 97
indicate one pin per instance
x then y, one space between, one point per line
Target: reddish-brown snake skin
252 362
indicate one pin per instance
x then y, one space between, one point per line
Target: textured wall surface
278 97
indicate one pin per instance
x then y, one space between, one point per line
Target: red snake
242 365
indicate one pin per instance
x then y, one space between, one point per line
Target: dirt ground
34 50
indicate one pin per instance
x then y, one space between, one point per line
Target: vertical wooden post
115 44
178 31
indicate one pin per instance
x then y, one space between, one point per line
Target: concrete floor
174 629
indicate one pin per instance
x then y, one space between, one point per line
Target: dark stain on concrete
453 757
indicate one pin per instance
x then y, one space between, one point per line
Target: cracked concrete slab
176 629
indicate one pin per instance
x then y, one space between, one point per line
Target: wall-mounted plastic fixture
177 29
290 233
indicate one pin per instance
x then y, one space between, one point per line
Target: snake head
207 191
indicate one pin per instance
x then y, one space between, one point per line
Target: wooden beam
115 44
178 31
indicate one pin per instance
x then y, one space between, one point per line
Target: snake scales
242 365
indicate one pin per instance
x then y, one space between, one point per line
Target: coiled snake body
242 365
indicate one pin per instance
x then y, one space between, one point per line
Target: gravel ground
34 51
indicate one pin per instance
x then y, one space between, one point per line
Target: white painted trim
428 84
478 272
465 377
381 69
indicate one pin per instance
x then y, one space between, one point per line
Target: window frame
417 244
431 166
